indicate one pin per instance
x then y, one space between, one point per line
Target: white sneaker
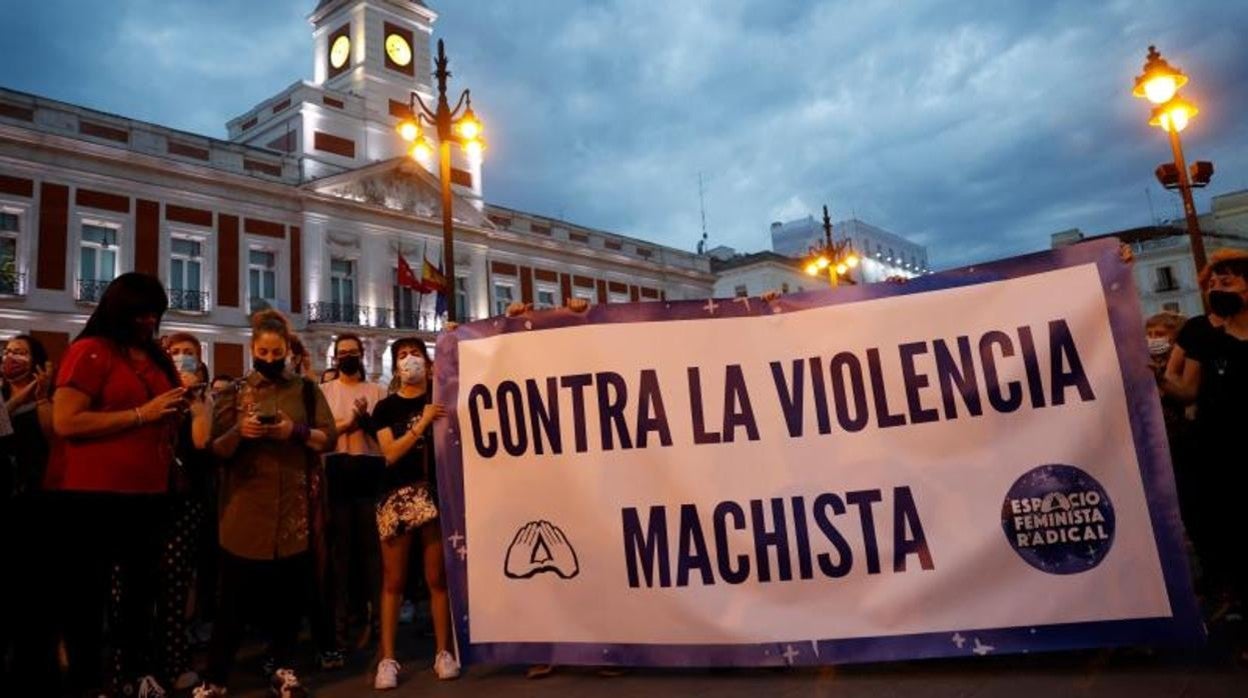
387 675
149 688
445 666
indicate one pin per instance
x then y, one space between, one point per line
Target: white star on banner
982 649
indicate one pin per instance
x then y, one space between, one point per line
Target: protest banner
968 463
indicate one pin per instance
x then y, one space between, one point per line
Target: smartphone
267 419
197 390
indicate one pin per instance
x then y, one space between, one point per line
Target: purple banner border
1184 628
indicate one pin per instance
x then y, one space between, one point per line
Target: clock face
398 50
340 52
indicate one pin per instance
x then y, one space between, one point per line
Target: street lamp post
1160 84
837 257
459 125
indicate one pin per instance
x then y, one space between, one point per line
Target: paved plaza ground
1205 673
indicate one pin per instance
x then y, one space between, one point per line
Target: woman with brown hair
268 433
407 507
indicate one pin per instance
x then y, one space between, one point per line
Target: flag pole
420 299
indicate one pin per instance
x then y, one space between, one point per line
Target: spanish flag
433 279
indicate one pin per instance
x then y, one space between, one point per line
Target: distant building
884 254
1165 276
739 276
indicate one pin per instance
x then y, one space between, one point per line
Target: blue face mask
186 363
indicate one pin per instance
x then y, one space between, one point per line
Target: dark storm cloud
977 128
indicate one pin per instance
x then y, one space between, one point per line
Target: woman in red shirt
115 414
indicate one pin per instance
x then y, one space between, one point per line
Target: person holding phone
115 414
192 483
269 434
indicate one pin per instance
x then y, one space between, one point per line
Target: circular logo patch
1059 519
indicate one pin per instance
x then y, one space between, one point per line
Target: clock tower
375 49
368 58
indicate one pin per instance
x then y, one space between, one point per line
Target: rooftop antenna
702 206
1151 212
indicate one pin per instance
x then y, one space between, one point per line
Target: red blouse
134 461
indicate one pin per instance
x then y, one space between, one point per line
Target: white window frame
354 278
585 294
502 282
207 266
122 258
277 265
21 252
541 288
462 305
613 297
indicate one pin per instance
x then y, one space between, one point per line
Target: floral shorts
405 509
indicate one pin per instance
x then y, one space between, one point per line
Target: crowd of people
1201 365
144 500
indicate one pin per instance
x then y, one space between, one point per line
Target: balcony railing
412 320
188 301
12 283
91 290
340 314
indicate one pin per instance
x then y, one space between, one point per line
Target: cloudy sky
975 127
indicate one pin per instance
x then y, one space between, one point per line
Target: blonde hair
1168 321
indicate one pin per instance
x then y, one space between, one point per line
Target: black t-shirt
24 453
1222 400
398 413
1194 332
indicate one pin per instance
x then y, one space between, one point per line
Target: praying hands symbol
540 546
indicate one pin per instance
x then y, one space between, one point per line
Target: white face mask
1158 346
412 370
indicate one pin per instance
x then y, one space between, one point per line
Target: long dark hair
128 297
38 354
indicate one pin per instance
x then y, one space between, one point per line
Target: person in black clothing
403 425
29 619
1215 377
191 485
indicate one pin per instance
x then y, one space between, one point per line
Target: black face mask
350 365
271 370
1225 303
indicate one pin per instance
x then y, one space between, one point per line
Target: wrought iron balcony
339 314
91 290
12 283
188 301
412 320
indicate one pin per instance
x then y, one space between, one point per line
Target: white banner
912 464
